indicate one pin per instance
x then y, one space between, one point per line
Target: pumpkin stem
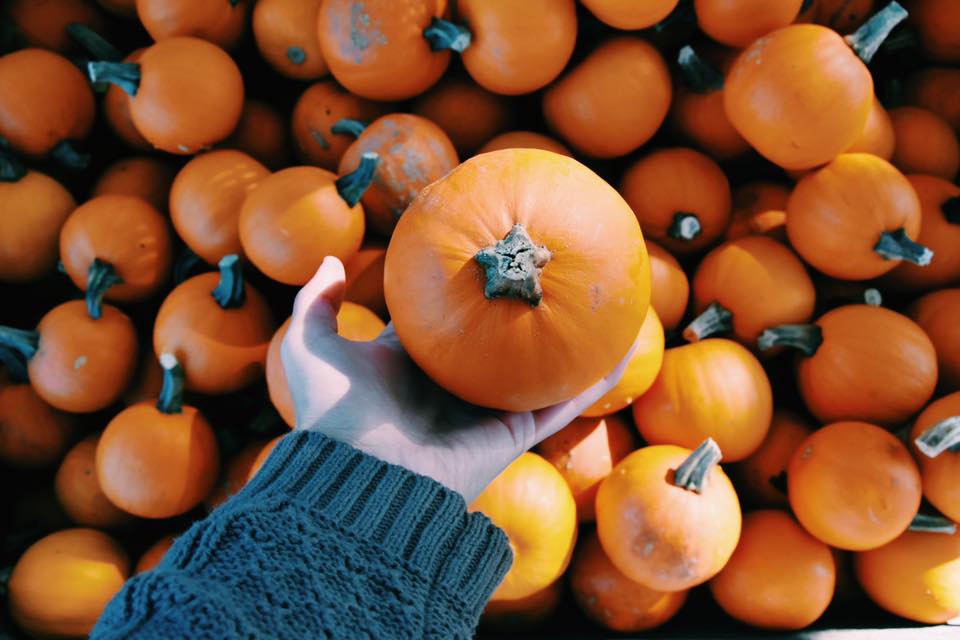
171 393
943 436
68 157
767 221
185 263
873 297
951 210
353 185
22 341
512 267
15 365
11 169
348 126
693 472
932 524
93 43
296 55
443 34
125 75
685 226
807 338
715 319
866 40
100 277
897 246
230 292
698 74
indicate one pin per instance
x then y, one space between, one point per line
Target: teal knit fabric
325 542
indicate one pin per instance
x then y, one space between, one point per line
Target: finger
389 335
316 305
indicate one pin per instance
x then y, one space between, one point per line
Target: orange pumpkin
43 23
681 198
668 517
79 492
62 583
524 140
509 245
413 153
116 110
364 279
936 89
934 438
858 206
938 23
286 35
147 381
937 314
584 452
780 577
294 218
878 136
262 133
158 461
524 613
853 485
152 556
220 22
262 456
206 199
611 599
586 106
861 363
531 502
629 15
32 433
759 208
738 23
236 474
670 289
843 16
468 114
746 286
800 95
713 388
219 339
143 177
925 143
761 477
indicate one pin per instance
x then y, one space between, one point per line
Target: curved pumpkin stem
767 221
897 245
171 393
943 436
68 157
24 342
866 40
692 474
932 524
685 226
125 75
100 277
715 319
698 74
15 365
348 126
11 169
512 267
443 34
806 338
873 297
353 185
230 292
951 210
93 43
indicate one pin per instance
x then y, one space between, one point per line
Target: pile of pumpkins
787 430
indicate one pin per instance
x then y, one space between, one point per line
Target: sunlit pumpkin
286 36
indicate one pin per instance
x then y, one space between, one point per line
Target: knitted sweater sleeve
324 542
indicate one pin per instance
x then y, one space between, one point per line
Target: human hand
372 396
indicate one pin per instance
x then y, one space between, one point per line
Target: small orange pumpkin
116 110
524 613
152 556
761 477
629 15
925 143
43 23
738 23
32 433
364 279
759 208
262 133
878 136
286 35
937 314
221 22
670 289
143 177
939 25
79 492
936 89
524 140
468 114
934 438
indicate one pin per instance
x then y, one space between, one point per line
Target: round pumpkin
878 136
261 133
286 35
670 289
524 140
925 143
936 89
737 23
759 208
630 15
32 433
116 110
509 245
761 477
236 474
79 492
938 23
147 381
142 176
364 279
152 556
934 440
262 456
524 613
468 114
937 314
43 23
219 22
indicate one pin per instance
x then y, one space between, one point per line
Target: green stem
806 338
443 34
125 75
866 40
230 292
353 185
698 74
171 393
685 226
348 126
693 472
68 157
873 297
897 246
11 169
933 524
12 360
296 55
93 43
100 277
24 342
943 436
512 267
715 319
951 210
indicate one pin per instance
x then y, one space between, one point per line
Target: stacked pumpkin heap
782 250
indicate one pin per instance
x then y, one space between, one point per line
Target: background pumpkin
219 22
364 279
141 176
936 89
152 556
878 136
940 467
467 113
761 477
262 133
32 433
925 143
44 24
286 35
523 613
79 492
524 140
939 25
738 23
759 208
670 289
937 314
624 14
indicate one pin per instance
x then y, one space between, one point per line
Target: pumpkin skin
760 478
942 472
939 26
62 583
670 289
937 314
504 56
629 15
377 50
262 456
585 105
235 476
711 388
29 241
468 114
152 556
843 16
595 287
143 177
286 35
672 182
43 23
936 89
44 100
531 502
658 534
525 613
79 492
206 198
610 598
116 109
844 208
293 219
219 22
925 143
759 208
524 140
878 136
413 153
147 382
585 452
124 231
364 279
780 577
32 433
853 485
260 133
738 23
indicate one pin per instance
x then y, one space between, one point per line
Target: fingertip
318 302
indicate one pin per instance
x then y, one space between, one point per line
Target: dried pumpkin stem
93 43
943 436
873 297
125 75
715 319
171 393
296 55
11 169
353 185
699 75
767 221
951 210
15 365
22 341
100 277
806 338
693 472
897 245
68 157
230 292
866 40
512 267
685 226
932 524
443 34
348 126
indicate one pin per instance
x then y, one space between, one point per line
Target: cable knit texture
325 542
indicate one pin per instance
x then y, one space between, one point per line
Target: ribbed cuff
414 518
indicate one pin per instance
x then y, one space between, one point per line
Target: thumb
318 302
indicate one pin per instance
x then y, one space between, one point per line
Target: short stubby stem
896 245
873 297
715 319
20 340
512 267
125 75
230 292
933 524
692 474
698 74
806 338
443 34
353 185
943 436
685 226
866 40
171 393
100 277
296 55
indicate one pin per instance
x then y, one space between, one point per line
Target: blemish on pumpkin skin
79 363
363 32
807 452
